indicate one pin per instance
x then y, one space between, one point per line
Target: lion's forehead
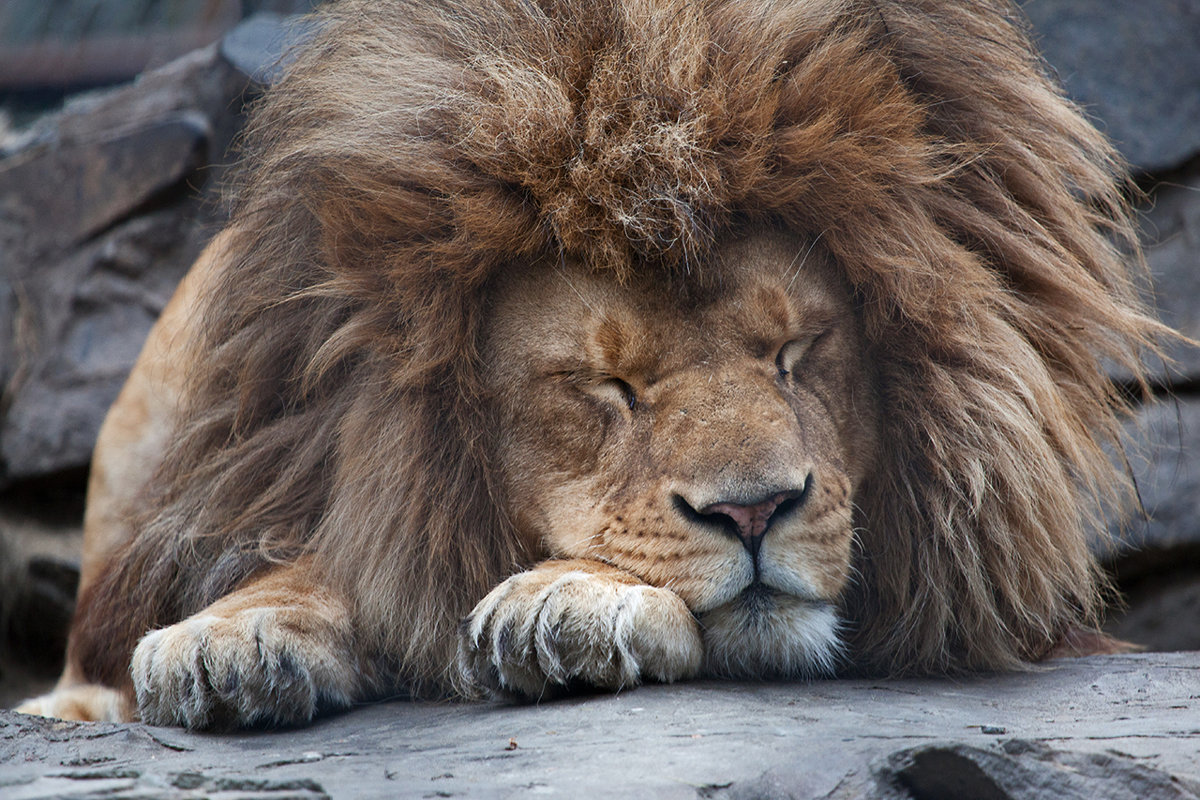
772 286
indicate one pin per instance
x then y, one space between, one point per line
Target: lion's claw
252 668
543 630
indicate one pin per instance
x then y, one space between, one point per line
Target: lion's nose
752 519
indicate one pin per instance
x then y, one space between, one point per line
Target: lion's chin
763 633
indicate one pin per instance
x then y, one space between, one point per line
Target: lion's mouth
759 599
766 633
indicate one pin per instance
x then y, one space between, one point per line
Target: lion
582 343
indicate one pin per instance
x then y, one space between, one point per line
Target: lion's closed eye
614 390
794 352
609 390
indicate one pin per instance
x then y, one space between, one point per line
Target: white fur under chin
770 635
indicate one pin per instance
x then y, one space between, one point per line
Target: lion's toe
255 667
665 637
169 680
539 634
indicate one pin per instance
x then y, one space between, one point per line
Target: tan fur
577 281
84 702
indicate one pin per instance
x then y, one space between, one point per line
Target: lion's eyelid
602 386
627 392
795 350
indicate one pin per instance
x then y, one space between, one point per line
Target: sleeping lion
580 343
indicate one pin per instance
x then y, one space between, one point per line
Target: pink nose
752 519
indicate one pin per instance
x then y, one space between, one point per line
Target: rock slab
1103 727
1134 66
103 207
101 214
1171 233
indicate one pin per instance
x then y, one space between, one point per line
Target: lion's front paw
259 666
546 628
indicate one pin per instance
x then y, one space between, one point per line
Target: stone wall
1135 67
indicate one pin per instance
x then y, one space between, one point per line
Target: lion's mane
417 148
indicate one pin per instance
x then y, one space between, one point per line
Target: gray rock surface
1103 727
1164 459
261 47
1135 66
103 207
101 213
1171 233
1155 552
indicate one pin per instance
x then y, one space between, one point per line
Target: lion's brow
803 260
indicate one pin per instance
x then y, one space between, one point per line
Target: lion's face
710 441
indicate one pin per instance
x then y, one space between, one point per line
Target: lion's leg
277 651
576 621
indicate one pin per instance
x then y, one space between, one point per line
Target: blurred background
116 118
52 47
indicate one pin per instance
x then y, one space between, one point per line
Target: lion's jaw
706 440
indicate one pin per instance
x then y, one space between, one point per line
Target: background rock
1134 65
101 213
91 42
1171 231
1155 553
1164 460
260 47
39 569
1115 728
103 207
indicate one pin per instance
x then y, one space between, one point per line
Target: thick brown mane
417 149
